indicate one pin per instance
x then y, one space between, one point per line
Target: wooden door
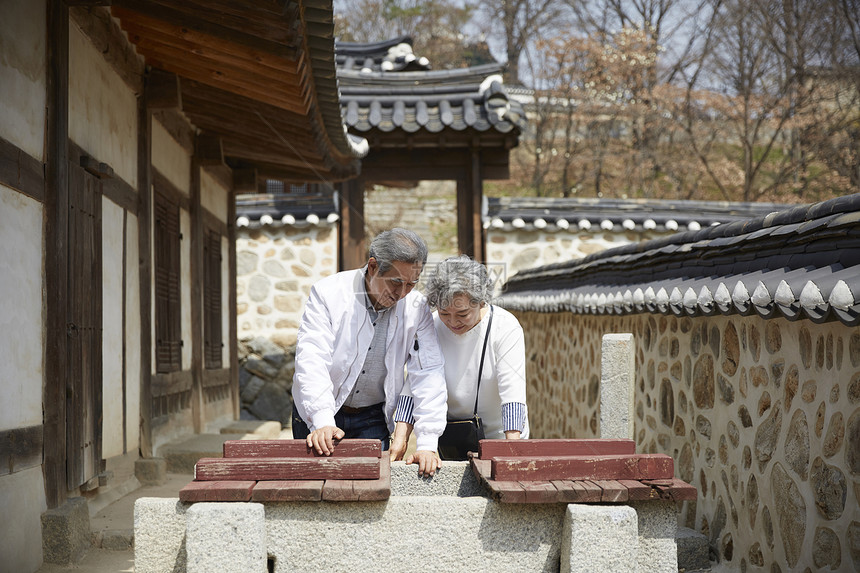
84 329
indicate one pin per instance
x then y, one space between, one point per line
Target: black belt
351 410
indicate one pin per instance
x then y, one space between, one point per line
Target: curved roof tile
801 262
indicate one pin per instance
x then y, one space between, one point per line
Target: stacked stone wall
762 416
276 267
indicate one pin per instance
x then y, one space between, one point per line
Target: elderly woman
460 290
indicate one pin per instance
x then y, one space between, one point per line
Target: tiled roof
802 262
617 214
285 209
383 92
394 55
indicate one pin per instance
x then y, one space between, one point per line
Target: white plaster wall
185 286
21 310
22 502
213 196
22 74
102 109
112 335
170 158
132 332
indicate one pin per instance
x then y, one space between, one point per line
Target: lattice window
212 339
168 317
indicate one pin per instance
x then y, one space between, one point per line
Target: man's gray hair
398 245
459 275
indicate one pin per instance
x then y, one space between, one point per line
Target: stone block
151 471
599 538
692 550
454 478
658 525
449 533
261 429
66 534
159 535
617 386
226 537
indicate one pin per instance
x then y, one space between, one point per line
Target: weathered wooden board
360 490
611 491
560 447
356 448
288 490
267 469
638 491
216 491
674 489
636 466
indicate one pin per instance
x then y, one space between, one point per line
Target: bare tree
516 23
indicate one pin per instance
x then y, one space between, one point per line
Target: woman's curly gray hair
458 275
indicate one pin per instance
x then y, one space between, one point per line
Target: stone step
692 551
182 454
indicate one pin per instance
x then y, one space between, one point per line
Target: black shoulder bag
462 436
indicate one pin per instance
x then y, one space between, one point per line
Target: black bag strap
483 353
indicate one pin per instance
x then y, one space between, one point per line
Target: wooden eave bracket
163 90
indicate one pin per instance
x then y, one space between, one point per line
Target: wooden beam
198 404
245 180
352 448
144 242
56 255
351 248
20 448
613 467
217 491
163 90
232 304
20 171
208 150
557 447
269 469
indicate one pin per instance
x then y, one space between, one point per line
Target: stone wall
276 267
762 416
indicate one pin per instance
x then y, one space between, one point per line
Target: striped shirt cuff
513 416
403 413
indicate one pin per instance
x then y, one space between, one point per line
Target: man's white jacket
333 340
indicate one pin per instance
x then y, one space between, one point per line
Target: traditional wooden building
423 124
127 128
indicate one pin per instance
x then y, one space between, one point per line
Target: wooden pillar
232 304
351 248
470 232
144 245
56 255
198 403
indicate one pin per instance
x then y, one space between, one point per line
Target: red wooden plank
591 491
354 448
267 469
637 466
572 491
482 469
507 491
216 491
638 491
612 491
540 492
674 489
360 490
538 448
287 490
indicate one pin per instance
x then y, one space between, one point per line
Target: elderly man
359 329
